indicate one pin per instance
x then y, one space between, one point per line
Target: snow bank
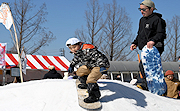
61 95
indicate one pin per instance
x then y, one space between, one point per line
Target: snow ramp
61 95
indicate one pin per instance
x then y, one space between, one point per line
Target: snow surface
61 95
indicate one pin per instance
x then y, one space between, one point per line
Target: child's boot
83 84
94 93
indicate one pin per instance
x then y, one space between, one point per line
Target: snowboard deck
82 94
151 61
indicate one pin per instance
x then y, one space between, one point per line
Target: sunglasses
143 9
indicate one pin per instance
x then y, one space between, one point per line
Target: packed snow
61 95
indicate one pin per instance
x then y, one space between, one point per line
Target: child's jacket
172 87
89 55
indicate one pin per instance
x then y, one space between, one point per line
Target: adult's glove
71 69
103 70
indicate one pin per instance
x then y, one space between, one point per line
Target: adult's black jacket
151 28
52 74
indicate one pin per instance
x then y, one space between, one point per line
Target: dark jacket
89 55
52 74
151 28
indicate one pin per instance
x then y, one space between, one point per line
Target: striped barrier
38 62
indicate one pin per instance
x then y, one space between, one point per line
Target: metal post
132 76
179 76
62 52
122 78
111 76
4 75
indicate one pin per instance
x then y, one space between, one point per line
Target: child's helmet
72 41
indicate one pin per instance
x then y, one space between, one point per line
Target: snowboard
82 94
151 61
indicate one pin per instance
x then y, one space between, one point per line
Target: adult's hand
133 46
150 44
70 69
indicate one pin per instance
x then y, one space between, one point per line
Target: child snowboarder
92 64
173 85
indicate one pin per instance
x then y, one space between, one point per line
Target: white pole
111 76
179 76
122 78
132 76
17 46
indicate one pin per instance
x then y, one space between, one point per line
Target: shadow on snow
122 91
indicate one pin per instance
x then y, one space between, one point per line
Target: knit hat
51 67
72 41
148 3
169 72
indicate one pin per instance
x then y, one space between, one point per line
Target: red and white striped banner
39 61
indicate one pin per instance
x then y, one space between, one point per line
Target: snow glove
71 69
94 93
103 70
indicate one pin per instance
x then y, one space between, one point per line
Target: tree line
108 27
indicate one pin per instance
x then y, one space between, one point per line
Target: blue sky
65 16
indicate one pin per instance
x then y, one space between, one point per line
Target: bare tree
118 33
28 20
172 43
95 23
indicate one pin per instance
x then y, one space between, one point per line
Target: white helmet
72 41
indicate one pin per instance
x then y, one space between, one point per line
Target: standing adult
152 30
52 74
